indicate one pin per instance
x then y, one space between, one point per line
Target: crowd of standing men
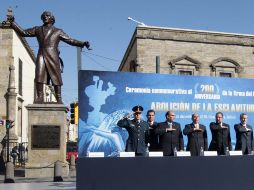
167 136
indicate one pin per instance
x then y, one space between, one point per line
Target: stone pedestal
47 140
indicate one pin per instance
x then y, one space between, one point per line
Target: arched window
184 65
225 67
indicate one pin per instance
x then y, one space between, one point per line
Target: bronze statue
48 62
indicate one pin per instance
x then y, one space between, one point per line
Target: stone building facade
15 53
190 52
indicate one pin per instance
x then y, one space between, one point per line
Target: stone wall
6 60
14 49
192 50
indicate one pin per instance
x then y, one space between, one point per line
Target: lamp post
138 22
8 144
9 124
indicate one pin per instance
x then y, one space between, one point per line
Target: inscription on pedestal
45 137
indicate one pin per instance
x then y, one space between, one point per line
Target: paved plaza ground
22 183
39 186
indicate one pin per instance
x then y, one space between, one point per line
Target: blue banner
106 97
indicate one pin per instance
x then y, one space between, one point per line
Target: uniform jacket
220 138
169 140
47 61
153 137
196 139
138 135
244 138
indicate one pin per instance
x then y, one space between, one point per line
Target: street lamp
9 124
138 22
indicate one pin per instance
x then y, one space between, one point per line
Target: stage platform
166 173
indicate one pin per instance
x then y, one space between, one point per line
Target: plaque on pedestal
47 139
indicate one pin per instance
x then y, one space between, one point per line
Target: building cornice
198 36
194 31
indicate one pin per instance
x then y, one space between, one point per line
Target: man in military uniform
197 136
170 135
244 135
138 131
221 139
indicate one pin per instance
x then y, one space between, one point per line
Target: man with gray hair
244 135
197 136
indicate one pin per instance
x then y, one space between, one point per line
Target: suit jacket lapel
51 30
46 34
173 125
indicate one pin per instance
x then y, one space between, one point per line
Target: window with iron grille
182 72
223 74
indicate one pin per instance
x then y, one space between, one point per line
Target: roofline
191 31
196 31
126 54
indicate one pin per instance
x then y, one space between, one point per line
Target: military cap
137 109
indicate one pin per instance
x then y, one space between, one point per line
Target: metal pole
79 63
157 64
8 144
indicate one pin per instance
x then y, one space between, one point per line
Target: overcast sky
105 25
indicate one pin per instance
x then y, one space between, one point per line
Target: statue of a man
48 62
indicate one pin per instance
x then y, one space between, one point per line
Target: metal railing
18 153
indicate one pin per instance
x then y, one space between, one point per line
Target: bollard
9 173
73 164
58 172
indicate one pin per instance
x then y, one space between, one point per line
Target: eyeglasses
150 115
137 113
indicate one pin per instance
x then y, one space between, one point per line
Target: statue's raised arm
48 64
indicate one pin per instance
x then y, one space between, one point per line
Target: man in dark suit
170 135
138 131
221 139
197 136
153 138
244 135
48 62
